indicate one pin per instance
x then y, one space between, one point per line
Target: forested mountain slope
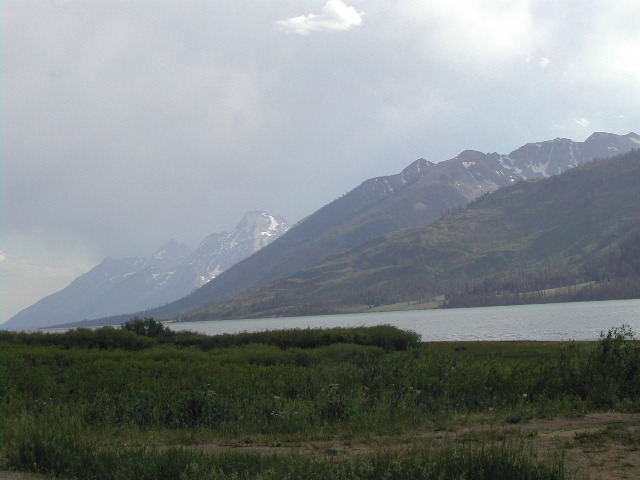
579 230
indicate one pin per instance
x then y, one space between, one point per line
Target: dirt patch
4 475
602 446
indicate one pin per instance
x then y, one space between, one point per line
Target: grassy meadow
145 402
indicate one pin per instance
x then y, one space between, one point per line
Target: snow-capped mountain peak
219 251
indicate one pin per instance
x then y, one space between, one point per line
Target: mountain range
574 236
415 197
137 284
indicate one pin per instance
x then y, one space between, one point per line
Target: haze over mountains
415 197
133 284
412 198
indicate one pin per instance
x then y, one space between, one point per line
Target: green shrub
147 327
384 336
612 369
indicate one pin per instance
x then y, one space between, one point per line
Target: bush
613 367
147 327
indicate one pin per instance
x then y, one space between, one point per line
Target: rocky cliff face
474 173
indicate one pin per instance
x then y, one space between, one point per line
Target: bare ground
602 446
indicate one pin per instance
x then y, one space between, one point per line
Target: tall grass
266 388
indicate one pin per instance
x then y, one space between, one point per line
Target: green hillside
575 236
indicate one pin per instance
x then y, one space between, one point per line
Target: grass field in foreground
117 403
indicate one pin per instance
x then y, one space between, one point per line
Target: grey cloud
129 123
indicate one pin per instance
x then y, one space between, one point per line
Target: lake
550 322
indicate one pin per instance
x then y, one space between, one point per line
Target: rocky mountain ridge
473 173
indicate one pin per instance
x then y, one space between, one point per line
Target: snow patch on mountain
540 168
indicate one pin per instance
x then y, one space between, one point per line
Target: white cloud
335 16
583 122
543 62
608 52
617 59
471 30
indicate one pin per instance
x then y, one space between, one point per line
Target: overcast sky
128 123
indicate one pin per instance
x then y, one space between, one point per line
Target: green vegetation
494 462
147 327
130 336
566 238
119 404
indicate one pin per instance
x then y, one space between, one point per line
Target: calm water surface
557 321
